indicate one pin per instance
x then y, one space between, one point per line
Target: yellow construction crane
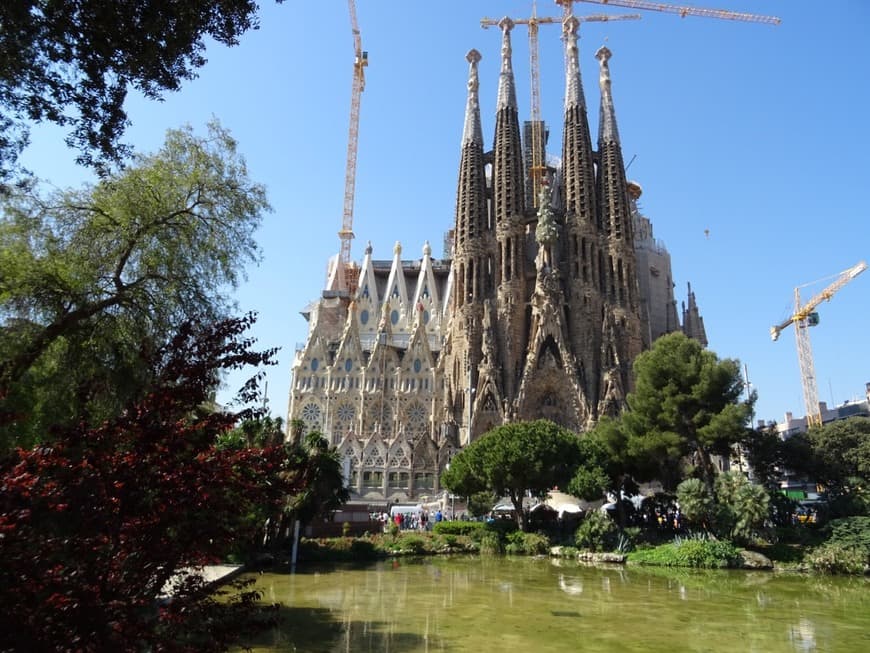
347 272
803 318
673 9
538 165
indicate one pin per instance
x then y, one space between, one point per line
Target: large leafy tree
92 279
686 405
840 461
513 460
605 466
72 63
93 526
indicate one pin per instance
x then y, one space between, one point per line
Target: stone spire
693 323
472 132
471 208
607 122
582 264
621 332
508 209
573 83
577 162
613 198
507 93
507 170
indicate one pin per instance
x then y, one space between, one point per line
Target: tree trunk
517 501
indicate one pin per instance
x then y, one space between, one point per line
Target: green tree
686 404
316 469
259 431
736 510
73 63
840 460
94 279
513 460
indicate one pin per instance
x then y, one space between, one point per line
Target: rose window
311 415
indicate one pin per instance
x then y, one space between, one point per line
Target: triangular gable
367 298
426 296
396 293
349 358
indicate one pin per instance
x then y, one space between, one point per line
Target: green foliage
73 63
491 544
841 461
412 543
260 431
695 552
473 529
686 402
602 461
317 468
742 506
94 281
380 545
514 459
738 509
850 532
597 532
836 558
480 503
520 543
695 502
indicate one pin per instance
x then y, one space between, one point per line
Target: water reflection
508 604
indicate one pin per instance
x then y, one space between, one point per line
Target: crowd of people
409 520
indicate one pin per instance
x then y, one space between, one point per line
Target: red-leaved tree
95 523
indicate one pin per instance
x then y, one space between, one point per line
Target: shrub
473 529
527 543
693 552
835 558
743 506
596 532
710 554
412 543
363 549
853 532
490 543
695 501
535 544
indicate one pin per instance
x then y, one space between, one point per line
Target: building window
373 479
424 480
398 480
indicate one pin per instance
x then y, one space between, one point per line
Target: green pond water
528 605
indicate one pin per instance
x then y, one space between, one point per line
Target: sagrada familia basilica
550 285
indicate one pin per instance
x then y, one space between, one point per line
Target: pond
511 604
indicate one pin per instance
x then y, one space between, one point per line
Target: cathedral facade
537 310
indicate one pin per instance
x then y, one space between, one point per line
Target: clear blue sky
751 144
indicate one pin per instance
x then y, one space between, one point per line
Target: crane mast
347 273
803 318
